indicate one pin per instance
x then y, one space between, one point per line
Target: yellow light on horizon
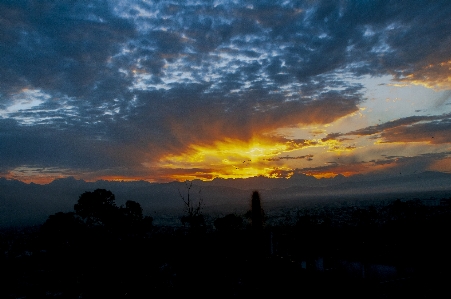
230 158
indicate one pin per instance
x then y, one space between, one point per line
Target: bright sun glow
238 159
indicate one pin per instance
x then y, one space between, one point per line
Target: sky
182 90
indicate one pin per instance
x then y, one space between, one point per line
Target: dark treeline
101 250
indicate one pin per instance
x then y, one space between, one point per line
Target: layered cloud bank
226 89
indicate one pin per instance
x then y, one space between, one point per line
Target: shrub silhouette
228 223
62 230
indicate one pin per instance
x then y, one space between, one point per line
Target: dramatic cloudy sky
165 90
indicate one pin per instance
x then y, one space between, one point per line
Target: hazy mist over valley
31 204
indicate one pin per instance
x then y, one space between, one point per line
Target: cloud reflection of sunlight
239 159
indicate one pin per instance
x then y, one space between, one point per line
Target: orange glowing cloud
443 165
349 169
231 158
37 175
241 122
436 76
432 133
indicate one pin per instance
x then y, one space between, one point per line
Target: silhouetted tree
194 217
132 212
97 207
131 219
257 213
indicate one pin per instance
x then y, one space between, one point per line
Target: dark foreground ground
401 249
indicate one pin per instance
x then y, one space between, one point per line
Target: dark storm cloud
130 80
411 164
433 129
406 121
435 132
65 149
61 46
387 165
307 157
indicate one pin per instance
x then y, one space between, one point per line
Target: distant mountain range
29 204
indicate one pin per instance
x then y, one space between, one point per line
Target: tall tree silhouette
257 214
